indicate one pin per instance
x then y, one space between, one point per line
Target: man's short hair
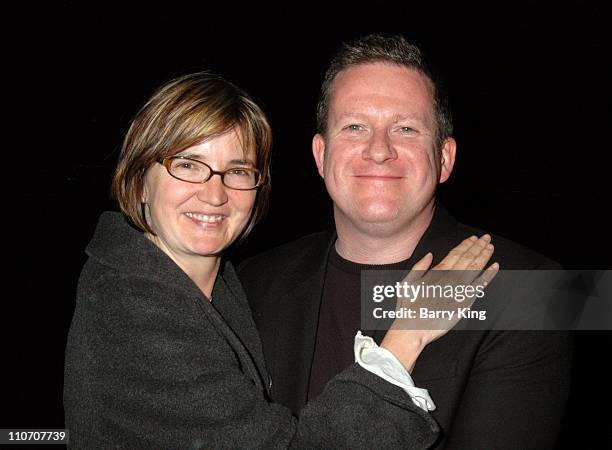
389 49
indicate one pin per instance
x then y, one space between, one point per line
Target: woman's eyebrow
190 155
244 162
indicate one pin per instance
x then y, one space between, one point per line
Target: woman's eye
406 129
184 165
239 172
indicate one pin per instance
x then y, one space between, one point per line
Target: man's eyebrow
409 116
396 117
350 114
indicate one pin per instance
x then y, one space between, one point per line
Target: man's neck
372 244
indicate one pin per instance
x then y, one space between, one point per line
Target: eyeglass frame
166 163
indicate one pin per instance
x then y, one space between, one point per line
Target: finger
480 261
469 273
424 262
487 275
484 279
474 257
470 265
456 253
419 268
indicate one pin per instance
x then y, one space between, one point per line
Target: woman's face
192 220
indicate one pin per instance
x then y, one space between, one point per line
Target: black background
528 94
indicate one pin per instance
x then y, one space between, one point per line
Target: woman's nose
213 191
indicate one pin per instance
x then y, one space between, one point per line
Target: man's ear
318 151
447 158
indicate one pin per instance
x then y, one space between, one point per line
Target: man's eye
406 129
354 127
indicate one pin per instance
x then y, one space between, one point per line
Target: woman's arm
150 371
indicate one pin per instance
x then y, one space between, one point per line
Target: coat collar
439 238
118 245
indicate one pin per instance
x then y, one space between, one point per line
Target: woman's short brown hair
183 113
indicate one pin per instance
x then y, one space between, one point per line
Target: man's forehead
382 80
369 110
382 70
395 102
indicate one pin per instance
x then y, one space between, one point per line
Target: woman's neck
202 270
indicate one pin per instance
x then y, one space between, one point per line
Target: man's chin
384 222
384 219
376 217
378 212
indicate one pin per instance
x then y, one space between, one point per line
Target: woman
162 351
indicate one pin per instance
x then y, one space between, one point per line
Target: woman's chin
210 250
211 246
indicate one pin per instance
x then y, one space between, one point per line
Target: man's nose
379 148
213 191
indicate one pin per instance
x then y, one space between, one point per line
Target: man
384 143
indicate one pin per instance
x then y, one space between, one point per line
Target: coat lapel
439 238
229 300
299 300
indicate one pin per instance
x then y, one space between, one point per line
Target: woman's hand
462 266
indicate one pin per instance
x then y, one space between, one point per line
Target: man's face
379 159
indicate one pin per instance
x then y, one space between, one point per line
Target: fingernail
495 265
473 238
486 237
489 246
